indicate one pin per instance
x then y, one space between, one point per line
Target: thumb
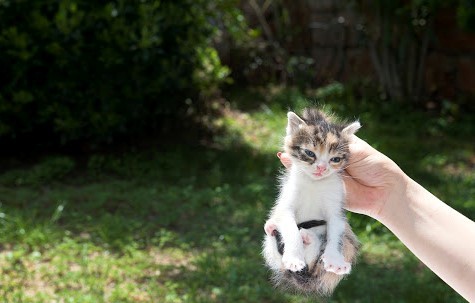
353 193
350 189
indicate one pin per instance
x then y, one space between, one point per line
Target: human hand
372 180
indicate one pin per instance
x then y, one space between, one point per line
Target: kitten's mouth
319 173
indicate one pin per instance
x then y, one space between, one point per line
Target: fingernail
279 154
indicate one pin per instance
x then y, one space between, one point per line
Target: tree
95 71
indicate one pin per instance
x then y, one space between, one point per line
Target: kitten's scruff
309 245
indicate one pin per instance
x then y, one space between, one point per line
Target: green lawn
184 224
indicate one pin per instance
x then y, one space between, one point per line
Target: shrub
94 71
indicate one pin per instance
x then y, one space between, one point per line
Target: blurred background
138 138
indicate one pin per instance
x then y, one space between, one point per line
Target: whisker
354 162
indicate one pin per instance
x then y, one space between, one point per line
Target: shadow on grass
128 199
233 272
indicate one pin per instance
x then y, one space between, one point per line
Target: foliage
466 15
49 169
398 35
264 56
88 70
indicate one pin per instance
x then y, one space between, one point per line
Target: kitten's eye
309 153
335 159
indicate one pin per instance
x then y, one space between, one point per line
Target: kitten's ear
293 123
351 128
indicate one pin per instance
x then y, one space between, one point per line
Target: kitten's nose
321 168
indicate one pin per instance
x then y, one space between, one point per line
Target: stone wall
451 62
329 32
333 38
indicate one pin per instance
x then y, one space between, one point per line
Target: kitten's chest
317 200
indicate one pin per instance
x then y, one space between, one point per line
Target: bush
94 71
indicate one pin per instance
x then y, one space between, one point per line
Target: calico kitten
309 245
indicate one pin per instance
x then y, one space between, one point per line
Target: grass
181 224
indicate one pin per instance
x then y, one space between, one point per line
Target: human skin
438 235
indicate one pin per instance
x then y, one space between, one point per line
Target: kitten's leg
333 257
271 253
293 257
311 244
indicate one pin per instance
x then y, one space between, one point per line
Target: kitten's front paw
334 262
293 263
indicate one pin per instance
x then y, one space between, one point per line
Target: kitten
309 245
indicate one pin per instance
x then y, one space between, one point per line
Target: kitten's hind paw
306 237
293 263
335 264
270 228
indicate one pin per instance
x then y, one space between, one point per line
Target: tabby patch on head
316 144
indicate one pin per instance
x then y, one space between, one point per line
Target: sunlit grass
185 225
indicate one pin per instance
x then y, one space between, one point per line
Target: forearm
438 235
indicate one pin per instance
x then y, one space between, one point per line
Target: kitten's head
316 145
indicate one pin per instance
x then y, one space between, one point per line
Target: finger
285 159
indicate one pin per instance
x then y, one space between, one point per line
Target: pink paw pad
305 237
270 228
336 265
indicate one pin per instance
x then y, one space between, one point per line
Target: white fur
305 197
308 192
